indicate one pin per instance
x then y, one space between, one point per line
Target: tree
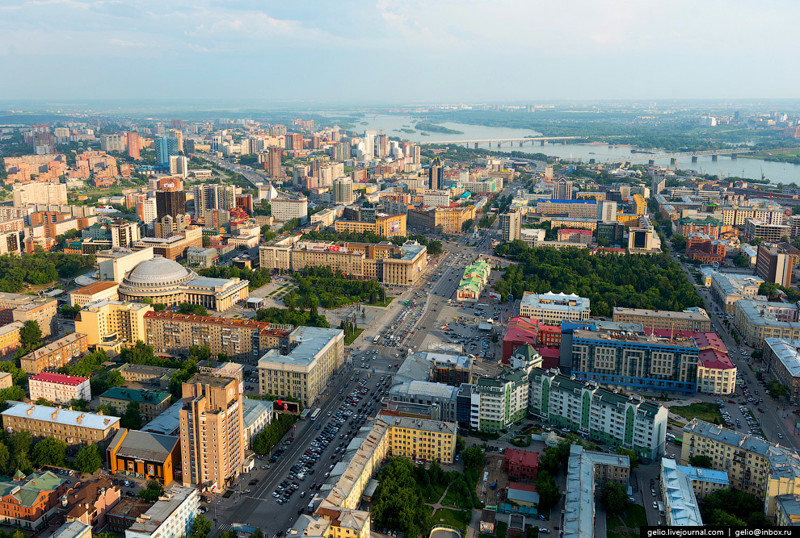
195 309
614 498
115 379
700 461
547 489
435 248
132 418
88 459
467 224
200 527
632 456
30 336
49 451
474 458
679 242
152 492
777 389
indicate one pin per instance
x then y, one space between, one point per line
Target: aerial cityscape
433 269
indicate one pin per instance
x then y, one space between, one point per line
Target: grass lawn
704 411
457 519
382 303
628 525
349 340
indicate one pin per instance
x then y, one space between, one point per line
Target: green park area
703 411
627 524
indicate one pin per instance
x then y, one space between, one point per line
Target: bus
314 414
376 339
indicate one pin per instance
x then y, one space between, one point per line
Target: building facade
315 354
72 427
695 319
59 388
553 308
55 354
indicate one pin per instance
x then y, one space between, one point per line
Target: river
724 166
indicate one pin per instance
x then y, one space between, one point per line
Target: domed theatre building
167 282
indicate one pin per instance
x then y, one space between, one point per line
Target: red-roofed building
716 373
59 388
704 248
526 330
551 356
521 464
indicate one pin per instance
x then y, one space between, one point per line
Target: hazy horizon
370 53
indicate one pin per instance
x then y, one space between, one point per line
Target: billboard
282 406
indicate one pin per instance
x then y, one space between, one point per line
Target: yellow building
97 291
422 439
385 262
9 337
449 220
639 205
109 324
385 225
628 220
753 465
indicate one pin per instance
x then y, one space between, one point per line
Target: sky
403 51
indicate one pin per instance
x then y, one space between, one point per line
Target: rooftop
681 504
27 492
422 424
151 520
788 352
555 301
311 343
56 415
142 445
136 395
61 379
700 474
516 456
425 388
167 422
95 287
53 346
694 315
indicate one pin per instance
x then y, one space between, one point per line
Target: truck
376 339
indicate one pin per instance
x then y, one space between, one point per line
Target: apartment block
759 320
422 439
72 427
144 373
112 323
782 357
59 388
28 501
692 319
314 355
599 414
284 209
238 339
55 354
10 338
97 291
385 225
211 431
170 517
753 465
776 261
22 308
773 233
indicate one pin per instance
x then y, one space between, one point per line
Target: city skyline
359 52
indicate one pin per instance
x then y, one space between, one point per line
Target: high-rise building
146 210
436 174
165 148
775 262
133 146
607 211
294 141
179 166
212 430
511 224
207 197
343 191
170 200
383 145
274 165
562 190
369 143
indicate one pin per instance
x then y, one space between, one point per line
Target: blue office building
166 147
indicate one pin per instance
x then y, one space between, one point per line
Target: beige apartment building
72 427
753 465
19 307
238 339
385 262
385 225
55 354
695 320
315 354
211 431
111 324
422 439
97 291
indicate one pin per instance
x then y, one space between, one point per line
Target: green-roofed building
605 416
151 402
475 277
27 501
